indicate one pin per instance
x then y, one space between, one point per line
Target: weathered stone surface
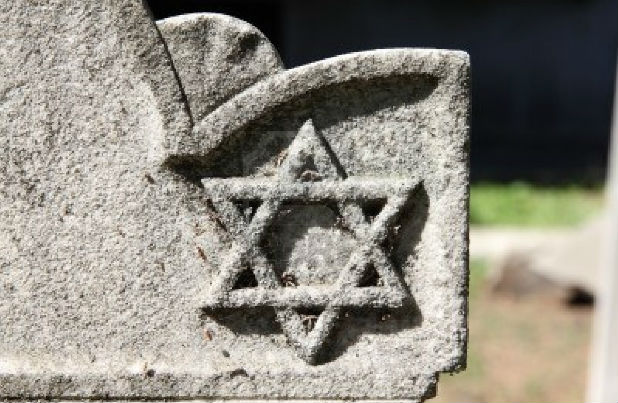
216 57
92 262
304 239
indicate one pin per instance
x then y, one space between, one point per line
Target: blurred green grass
523 204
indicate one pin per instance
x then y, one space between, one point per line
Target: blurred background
542 91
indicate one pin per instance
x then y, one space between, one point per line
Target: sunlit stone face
185 219
307 244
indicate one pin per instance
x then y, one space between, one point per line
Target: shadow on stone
256 321
254 150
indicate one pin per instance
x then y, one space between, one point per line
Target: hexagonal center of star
307 244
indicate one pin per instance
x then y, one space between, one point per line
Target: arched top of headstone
216 57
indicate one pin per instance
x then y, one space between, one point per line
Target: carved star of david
308 174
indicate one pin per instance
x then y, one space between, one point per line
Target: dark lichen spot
238 372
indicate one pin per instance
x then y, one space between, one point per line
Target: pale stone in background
603 380
525 260
254 233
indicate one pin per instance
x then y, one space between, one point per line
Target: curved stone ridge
449 67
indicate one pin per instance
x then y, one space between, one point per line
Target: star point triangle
308 343
309 158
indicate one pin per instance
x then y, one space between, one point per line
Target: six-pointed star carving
308 174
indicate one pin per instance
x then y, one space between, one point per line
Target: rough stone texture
307 239
216 57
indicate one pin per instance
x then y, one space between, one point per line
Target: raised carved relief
366 209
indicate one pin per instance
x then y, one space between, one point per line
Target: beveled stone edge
446 65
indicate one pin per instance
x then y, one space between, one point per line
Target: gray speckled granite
251 233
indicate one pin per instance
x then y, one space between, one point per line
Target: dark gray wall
542 71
